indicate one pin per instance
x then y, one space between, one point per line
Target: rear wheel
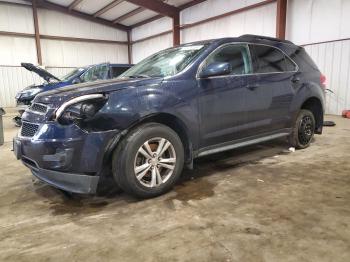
303 130
148 161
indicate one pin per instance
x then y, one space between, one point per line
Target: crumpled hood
61 95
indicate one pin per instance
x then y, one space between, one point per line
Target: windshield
72 73
165 63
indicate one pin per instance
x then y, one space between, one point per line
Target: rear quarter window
267 59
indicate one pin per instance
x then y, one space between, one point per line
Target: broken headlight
80 109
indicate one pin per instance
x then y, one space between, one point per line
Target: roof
246 37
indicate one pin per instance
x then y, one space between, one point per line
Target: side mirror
76 81
216 69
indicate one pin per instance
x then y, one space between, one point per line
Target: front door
222 99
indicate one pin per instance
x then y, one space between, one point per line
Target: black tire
303 130
127 154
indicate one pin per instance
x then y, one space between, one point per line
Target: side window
268 59
116 71
236 55
96 73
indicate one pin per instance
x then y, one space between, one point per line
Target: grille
29 129
38 108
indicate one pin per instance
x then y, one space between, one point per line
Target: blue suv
78 75
181 103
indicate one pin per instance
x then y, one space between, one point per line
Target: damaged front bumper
65 157
75 183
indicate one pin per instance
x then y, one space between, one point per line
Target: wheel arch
169 120
314 105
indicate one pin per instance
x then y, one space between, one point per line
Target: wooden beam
129 14
62 9
157 6
176 30
237 11
189 4
147 21
107 7
36 32
74 4
281 19
129 47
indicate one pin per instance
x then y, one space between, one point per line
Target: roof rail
261 37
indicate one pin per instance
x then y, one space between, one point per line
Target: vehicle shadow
191 185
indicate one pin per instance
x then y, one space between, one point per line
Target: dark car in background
79 75
181 103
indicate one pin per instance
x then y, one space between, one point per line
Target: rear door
272 88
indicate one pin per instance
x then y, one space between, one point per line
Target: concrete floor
254 204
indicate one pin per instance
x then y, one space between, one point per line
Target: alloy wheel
155 162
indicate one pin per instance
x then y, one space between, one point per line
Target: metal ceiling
123 14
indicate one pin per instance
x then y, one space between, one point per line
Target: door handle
295 79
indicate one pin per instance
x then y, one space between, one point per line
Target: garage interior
259 203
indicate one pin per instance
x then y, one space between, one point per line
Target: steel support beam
181 7
36 32
129 47
74 4
281 19
176 30
157 6
192 3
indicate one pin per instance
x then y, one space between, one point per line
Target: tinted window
96 73
117 71
268 59
236 55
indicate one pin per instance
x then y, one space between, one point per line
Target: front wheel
303 130
148 161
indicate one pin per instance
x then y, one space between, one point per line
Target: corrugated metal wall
15 78
333 59
314 21
58 56
145 48
258 21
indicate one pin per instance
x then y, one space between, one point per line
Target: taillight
323 81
